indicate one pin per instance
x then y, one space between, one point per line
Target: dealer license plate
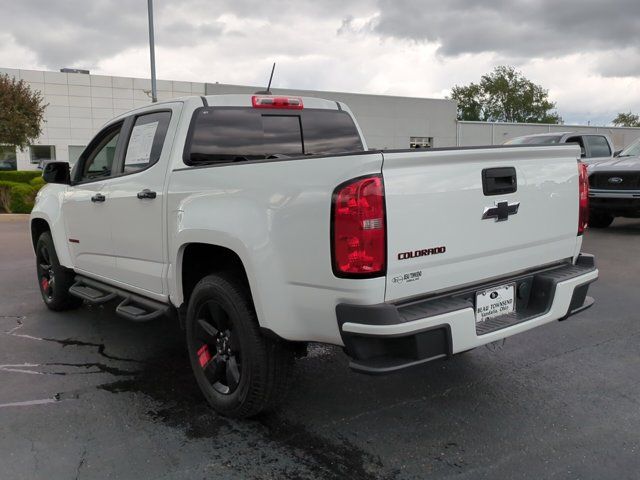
495 302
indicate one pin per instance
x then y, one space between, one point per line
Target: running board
132 307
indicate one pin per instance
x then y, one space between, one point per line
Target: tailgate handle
499 181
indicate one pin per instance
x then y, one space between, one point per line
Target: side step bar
132 307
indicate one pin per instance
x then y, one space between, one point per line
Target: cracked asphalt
86 394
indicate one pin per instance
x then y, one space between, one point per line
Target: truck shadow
335 423
330 415
624 226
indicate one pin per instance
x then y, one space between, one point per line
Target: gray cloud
621 63
513 28
73 31
84 32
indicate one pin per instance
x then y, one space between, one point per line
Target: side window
579 141
97 160
598 146
146 140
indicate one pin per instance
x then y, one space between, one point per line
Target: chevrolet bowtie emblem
501 211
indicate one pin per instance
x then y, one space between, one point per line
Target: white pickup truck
263 223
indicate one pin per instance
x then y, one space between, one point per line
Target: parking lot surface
87 394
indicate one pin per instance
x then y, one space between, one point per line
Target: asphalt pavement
86 394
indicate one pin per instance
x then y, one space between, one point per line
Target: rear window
233 134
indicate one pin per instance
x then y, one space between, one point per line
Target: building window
420 142
8 158
74 153
40 153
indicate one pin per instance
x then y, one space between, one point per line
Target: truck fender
48 208
249 240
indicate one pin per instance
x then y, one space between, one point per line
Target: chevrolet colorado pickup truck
263 222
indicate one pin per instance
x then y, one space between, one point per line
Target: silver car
594 147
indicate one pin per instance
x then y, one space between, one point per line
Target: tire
600 220
54 280
240 371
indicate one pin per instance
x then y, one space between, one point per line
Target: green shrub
17 197
5 195
37 182
20 176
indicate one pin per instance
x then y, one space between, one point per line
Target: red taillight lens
359 235
293 103
583 180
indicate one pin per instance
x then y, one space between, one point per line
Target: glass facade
8 157
40 153
420 142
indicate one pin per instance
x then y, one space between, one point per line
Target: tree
21 112
504 95
626 120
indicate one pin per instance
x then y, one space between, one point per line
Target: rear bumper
387 337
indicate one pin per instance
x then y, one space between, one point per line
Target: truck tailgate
437 238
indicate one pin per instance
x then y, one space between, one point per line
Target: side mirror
57 172
617 152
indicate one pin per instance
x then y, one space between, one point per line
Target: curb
13 217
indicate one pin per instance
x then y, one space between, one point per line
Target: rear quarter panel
276 216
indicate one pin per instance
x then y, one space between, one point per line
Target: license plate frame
502 303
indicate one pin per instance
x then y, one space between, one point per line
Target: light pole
152 53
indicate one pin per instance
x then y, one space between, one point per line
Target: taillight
583 181
359 234
293 103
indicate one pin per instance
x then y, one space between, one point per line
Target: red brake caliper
45 284
204 356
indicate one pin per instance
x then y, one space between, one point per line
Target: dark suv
615 187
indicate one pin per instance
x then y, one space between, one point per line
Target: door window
578 140
598 146
98 159
146 140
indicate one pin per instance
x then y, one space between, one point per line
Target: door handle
98 197
499 181
146 193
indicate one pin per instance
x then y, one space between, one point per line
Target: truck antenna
268 90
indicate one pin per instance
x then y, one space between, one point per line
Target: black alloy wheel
54 280
240 371
46 274
217 348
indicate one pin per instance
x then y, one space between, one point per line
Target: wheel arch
197 260
47 216
39 224
38 227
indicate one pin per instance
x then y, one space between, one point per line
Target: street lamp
152 53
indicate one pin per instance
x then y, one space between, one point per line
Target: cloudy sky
587 53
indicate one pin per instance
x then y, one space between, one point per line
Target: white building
79 104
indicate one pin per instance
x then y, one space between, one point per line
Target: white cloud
351 45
